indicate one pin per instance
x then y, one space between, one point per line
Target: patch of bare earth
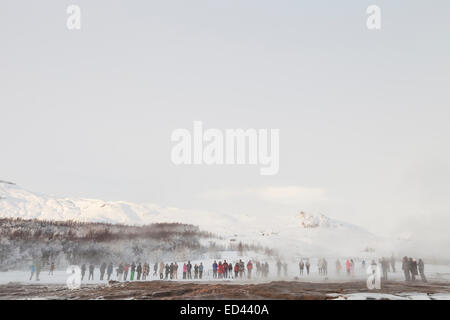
285 290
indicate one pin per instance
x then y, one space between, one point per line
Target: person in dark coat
421 267
393 263
155 269
215 267
139 271
132 271
83 271
119 272
126 268
230 270
102 270
167 270
52 268
406 268
384 268
195 271
171 270
91 272
413 269
189 270
279 265
200 270
109 270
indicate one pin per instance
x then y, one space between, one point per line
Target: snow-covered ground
386 296
439 273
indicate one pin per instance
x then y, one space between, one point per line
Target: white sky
363 115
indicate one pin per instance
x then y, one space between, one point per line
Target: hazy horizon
363 115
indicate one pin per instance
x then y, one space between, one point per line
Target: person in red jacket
220 270
348 266
249 269
236 270
225 269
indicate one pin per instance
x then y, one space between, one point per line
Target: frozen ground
202 290
387 296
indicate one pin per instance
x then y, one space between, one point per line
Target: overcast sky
363 115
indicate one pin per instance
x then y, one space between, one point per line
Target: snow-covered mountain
306 220
299 235
18 202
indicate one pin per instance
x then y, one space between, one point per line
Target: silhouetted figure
155 270
393 263
189 270
52 268
33 270
91 272
384 268
421 267
405 268
109 270
413 268
83 271
200 270
126 268
161 270
279 268
119 272
195 271
139 271
132 271
102 270
38 269
338 266
167 269
249 269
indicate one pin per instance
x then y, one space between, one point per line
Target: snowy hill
318 221
296 235
18 202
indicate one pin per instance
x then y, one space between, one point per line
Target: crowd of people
304 265
411 268
237 270
240 269
349 265
166 271
322 265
